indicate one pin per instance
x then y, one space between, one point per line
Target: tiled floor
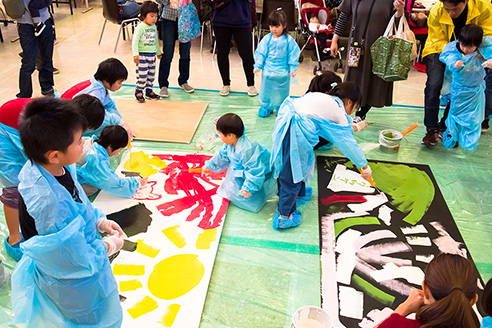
77 55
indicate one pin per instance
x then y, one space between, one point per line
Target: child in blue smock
464 59
12 159
64 277
110 75
249 182
278 56
94 171
299 125
486 304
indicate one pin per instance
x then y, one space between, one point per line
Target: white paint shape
412 274
373 236
329 291
424 258
414 230
346 259
397 286
344 179
374 254
419 241
446 243
385 214
374 317
371 203
351 302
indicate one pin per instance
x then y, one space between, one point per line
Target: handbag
188 22
356 48
390 53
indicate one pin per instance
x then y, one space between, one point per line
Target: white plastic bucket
311 317
389 140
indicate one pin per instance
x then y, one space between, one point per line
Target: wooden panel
169 121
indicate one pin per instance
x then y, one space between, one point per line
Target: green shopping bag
390 53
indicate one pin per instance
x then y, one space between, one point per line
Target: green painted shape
270 244
411 189
372 291
349 222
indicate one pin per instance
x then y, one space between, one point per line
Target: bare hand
334 48
143 181
205 170
135 60
399 7
245 193
293 74
458 64
128 130
412 304
487 63
159 56
256 70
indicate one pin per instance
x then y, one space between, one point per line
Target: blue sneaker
264 112
306 198
281 223
13 250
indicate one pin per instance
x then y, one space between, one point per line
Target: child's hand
487 63
359 126
111 227
143 181
135 60
293 74
256 70
113 243
366 172
245 193
205 170
458 64
128 130
412 304
159 56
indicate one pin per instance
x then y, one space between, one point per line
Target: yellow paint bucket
311 317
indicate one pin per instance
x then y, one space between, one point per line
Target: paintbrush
195 170
373 184
131 174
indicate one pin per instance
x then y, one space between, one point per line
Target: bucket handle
410 129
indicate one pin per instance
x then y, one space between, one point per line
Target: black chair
270 6
110 13
68 2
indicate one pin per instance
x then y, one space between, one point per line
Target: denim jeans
488 94
435 74
169 33
31 45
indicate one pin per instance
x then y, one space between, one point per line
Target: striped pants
145 72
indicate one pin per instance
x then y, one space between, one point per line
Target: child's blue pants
288 191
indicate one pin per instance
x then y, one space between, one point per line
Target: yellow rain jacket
441 27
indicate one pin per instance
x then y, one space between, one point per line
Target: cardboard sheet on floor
173 224
376 242
163 120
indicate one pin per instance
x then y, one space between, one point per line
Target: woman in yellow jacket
446 18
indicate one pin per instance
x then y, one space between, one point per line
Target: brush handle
371 181
410 129
195 170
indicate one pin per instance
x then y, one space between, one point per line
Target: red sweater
11 110
397 321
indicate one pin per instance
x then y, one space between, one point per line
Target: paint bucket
389 140
311 317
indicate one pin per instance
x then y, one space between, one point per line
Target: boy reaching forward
64 278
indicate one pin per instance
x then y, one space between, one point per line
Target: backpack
128 9
14 8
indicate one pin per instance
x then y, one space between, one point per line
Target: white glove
487 64
366 172
256 70
114 244
359 126
111 227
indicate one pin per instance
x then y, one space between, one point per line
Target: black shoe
152 96
485 126
140 97
49 94
21 55
56 70
430 138
38 28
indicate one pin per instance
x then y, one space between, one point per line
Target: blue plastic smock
12 157
467 109
248 169
277 58
304 135
111 115
97 172
64 278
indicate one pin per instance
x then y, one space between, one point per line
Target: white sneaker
225 90
252 91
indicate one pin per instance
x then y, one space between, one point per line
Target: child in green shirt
145 47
